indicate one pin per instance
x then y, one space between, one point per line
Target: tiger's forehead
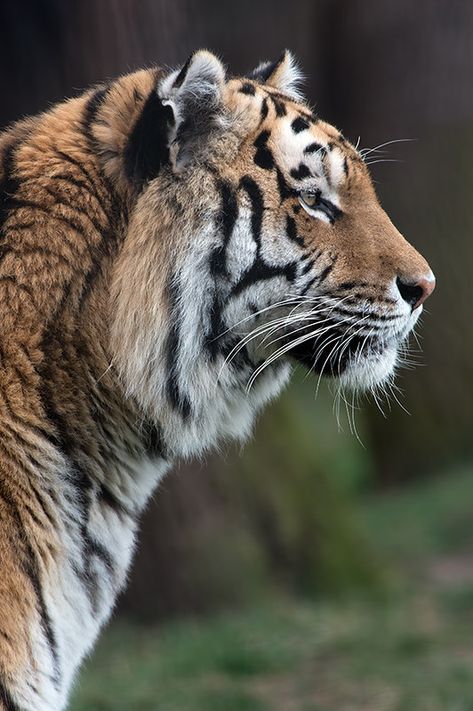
308 152
304 147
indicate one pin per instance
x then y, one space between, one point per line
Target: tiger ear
194 96
283 75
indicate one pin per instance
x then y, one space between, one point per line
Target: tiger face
314 240
280 250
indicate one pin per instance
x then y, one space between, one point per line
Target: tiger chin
172 242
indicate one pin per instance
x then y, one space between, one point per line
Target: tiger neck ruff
170 244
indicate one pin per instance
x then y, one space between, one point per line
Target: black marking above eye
299 124
263 156
315 148
301 172
247 88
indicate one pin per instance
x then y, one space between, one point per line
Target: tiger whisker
366 151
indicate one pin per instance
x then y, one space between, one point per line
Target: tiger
173 242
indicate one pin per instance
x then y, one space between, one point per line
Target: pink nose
415 293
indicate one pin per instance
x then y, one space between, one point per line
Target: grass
410 650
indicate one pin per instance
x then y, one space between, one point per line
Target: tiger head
257 240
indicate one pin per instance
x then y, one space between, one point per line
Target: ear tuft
203 75
283 75
194 94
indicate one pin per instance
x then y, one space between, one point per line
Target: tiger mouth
331 353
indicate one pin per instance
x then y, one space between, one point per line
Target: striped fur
148 227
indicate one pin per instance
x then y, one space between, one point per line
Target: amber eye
315 205
310 199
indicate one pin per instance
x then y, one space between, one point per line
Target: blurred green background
315 569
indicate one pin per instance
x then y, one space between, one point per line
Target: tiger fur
148 227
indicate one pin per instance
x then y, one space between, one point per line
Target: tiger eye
310 199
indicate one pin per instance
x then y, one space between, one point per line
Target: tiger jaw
360 361
359 364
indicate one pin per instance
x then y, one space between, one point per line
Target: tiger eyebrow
315 147
299 124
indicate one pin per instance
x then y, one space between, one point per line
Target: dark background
284 513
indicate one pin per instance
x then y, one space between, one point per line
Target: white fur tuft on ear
194 93
202 75
284 75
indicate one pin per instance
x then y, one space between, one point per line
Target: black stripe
94 548
259 270
217 328
301 172
315 147
84 186
325 272
153 440
89 116
278 105
108 234
31 568
68 221
257 208
78 475
91 109
42 504
347 285
291 231
264 110
285 191
9 184
226 219
278 95
308 286
96 188
106 496
299 124
182 73
178 400
218 267
247 88
147 148
6 699
34 251
264 71
263 156
19 226
329 209
59 201
307 267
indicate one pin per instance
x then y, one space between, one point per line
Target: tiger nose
416 292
